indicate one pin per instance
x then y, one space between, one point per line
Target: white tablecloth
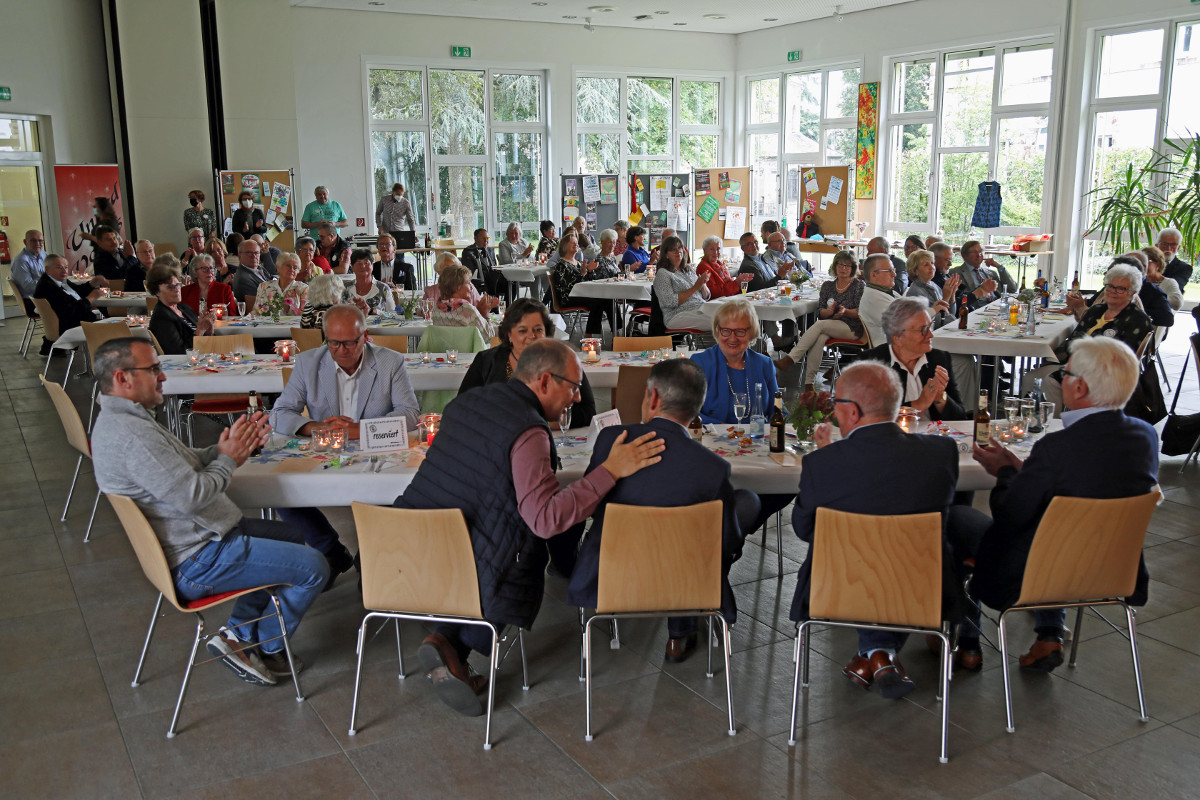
267 329
1050 334
524 273
777 309
614 289
131 300
73 338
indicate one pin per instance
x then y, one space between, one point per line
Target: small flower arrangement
1027 295
408 305
799 277
812 408
275 306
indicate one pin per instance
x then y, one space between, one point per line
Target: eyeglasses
175 285
739 333
1108 287
923 330
1064 372
577 386
881 269
343 344
36 241
848 400
155 369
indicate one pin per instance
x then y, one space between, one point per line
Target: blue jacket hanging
987 206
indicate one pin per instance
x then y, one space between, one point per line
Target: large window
957 119
646 123
471 141
796 120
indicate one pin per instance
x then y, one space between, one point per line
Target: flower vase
408 312
275 315
804 436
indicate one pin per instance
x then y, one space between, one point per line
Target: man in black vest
510 499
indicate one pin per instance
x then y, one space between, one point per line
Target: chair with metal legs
658 562
418 564
1085 553
96 334
52 333
76 437
878 572
32 321
154 564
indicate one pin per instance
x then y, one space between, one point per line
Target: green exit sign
5 93
793 55
460 52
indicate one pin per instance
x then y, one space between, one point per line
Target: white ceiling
667 15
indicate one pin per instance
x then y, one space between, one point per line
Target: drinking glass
241 309
1017 425
740 401
320 438
1000 431
337 439
564 422
1045 413
452 356
193 357
1012 404
1029 414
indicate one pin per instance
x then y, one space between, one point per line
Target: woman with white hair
608 262
926 375
292 291
324 292
720 282
621 226
513 246
205 288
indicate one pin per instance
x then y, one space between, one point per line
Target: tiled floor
72 617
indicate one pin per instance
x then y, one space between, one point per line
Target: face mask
95 212
193 201
397 196
247 203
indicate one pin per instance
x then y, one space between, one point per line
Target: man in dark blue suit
1100 452
876 468
688 473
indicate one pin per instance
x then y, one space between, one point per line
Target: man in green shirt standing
323 210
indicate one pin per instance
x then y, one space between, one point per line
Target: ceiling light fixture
715 16
374 3
770 19
539 3
679 23
838 11
588 26
644 17
602 9
570 16
662 12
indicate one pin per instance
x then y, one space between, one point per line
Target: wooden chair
1085 553
166 247
154 565
638 344
151 302
879 572
657 562
631 389
494 341
307 338
221 404
32 321
96 334
77 437
395 342
51 332
419 565
116 284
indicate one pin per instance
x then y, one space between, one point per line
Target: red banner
77 186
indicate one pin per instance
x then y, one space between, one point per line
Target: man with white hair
322 209
876 468
1100 453
1177 269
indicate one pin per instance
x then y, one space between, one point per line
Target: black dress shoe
340 561
679 649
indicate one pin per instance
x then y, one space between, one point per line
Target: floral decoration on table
276 306
812 408
798 278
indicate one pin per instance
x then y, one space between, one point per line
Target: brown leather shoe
455 684
859 671
679 649
888 673
970 660
1043 656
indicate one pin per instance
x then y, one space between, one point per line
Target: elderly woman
730 366
513 247
720 282
370 295
173 322
205 291
608 263
549 241
454 307
621 226
1156 264
324 292
248 220
306 249
920 284
525 321
225 271
293 291
837 317
926 375
446 259
635 258
569 270
679 290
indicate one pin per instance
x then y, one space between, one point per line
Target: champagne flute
740 401
1012 404
241 309
564 422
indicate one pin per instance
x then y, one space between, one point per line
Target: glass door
461 199
20 211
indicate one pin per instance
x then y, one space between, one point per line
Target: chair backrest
660 559
631 389
1087 549
49 318
146 545
235 343
97 333
419 561
495 341
251 300
16 290
437 338
882 569
395 342
116 284
151 302
1145 348
72 425
308 338
636 344
287 374
166 247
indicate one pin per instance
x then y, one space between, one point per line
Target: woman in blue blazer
731 366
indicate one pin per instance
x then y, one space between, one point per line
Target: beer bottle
696 428
963 311
778 435
983 420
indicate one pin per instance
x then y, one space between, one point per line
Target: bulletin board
708 187
678 187
274 196
834 219
601 213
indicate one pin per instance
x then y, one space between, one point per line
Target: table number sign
382 435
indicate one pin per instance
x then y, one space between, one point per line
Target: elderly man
876 468
878 295
28 267
322 209
249 275
762 274
480 259
341 383
510 499
268 254
210 547
71 301
1100 453
791 247
394 215
778 257
390 266
135 276
1177 269
926 375
333 248
982 276
112 259
675 390
879 244
943 261
195 245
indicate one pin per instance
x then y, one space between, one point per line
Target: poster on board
78 185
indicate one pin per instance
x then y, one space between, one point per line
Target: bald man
880 245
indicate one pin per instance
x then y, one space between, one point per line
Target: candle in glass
337 439
211 361
430 423
426 358
908 419
193 357
236 358
452 356
591 349
218 310
320 438
1017 426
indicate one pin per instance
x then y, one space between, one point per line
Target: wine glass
1046 413
241 309
862 228
740 401
564 422
1012 405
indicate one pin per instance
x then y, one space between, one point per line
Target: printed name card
602 421
382 434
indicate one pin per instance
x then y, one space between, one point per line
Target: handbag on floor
1181 430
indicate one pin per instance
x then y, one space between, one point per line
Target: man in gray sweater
210 547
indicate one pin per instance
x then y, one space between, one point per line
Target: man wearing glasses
494 458
878 295
926 375
345 381
28 266
982 276
876 468
210 547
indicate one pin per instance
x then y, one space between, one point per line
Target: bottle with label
252 406
1035 426
696 428
1022 283
778 425
758 419
963 312
1075 285
983 420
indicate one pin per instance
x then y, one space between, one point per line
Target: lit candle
337 438
430 423
426 358
591 349
219 310
236 358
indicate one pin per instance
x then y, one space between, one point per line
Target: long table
126 300
285 477
777 308
1051 333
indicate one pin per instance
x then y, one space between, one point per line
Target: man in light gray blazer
342 382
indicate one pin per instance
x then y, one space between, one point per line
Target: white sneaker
241 658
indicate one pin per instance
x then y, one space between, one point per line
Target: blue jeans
256 553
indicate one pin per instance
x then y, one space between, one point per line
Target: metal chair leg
362 642
728 645
399 650
583 650
92 518
1075 635
1137 667
1010 727
71 490
708 673
187 675
67 374
779 541
491 701
287 647
800 646
137 676
587 682
944 689
615 642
